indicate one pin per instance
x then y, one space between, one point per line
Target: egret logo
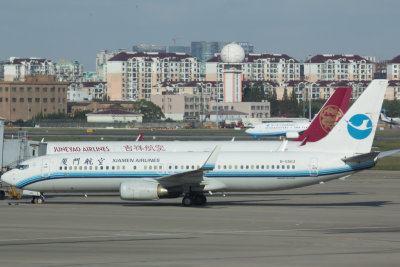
359 126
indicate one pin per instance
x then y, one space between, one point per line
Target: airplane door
313 167
45 168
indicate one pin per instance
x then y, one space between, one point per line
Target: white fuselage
278 128
164 146
233 171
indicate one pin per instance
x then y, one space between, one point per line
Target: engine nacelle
141 190
292 135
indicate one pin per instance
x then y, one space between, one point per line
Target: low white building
114 115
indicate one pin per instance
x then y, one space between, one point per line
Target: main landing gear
38 200
194 198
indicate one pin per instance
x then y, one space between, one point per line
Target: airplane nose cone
8 178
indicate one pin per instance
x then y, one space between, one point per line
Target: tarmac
352 222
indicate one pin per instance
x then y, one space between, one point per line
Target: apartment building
393 69
69 71
17 69
338 68
258 67
101 63
36 94
86 91
131 76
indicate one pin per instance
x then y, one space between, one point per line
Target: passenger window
113 167
75 168
60 168
224 167
145 167
192 167
176 167
247 167
230 167
101 167
65 168
150 167
252 167
170 167
95 167
134 167
107 167
257 167
288 167
187 167
283 166
85 168
241 166
292 166
80 168
272 166
277 166
70 168
90 167
118 167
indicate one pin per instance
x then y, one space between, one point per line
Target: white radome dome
232 53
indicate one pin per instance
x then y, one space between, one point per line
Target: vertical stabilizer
328 116
355 132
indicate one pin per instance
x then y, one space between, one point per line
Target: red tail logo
328 116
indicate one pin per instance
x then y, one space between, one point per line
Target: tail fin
355 132
328 116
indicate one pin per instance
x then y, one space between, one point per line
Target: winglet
212 159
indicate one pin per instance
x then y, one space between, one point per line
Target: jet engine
142 190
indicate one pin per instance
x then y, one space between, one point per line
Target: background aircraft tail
328 116
355 132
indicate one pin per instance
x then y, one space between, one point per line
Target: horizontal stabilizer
388 153
362 158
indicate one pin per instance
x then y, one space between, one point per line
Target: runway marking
181 233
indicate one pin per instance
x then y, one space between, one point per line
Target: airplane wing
194 177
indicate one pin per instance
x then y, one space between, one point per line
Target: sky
79 29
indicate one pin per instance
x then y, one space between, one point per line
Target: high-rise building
17 69
131 76
204 50
393 69
179 49
247 47
101 62
258 67
69 71
338 68
149 48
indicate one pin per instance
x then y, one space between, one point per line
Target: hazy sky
79 29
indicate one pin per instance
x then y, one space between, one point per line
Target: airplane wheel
187 201
38 200
200 200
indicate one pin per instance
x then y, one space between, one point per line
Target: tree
149 110
273 101
254 92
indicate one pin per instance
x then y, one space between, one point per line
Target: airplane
385 118
288 129
328 116
345 150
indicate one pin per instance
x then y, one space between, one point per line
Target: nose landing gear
38 200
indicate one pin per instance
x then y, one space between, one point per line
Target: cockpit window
22 166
